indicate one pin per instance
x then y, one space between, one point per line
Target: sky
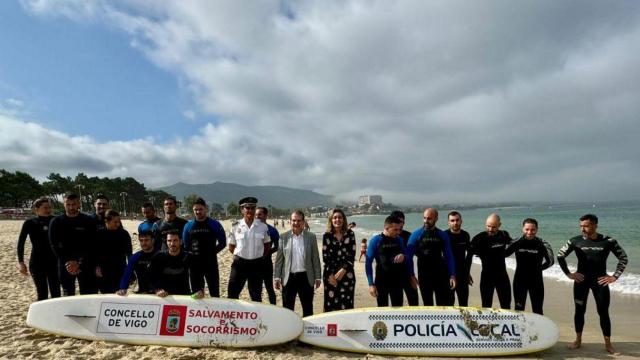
419 101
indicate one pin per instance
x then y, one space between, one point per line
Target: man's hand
576 276
338 276
332 281
277 284
98 271
398 259
22 268
122 292
373 291
452 282
414 282
470 280
606 280
72 267
232 248
318 283
161 293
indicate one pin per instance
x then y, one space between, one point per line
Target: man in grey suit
297 269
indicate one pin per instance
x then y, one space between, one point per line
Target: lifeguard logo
379 330
174 318
332 329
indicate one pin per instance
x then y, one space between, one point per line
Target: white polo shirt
249 241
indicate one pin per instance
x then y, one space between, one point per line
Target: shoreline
19 341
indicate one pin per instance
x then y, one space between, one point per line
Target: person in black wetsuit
392 269
72 236
410 291
490 247
101 205
113 250
592 250
261 214
42 263
460 243
170 222
139 266
533 255
172 269
204 237
436 266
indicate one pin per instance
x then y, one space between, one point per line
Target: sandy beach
19 341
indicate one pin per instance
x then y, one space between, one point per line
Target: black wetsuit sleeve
22 238
128 248
547 252
619 252
473 250
155 271
55 238
197 280
513 247
562 255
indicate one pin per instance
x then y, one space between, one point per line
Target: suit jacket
282 267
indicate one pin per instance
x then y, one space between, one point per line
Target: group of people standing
178 256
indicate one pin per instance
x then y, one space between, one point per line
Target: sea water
557 224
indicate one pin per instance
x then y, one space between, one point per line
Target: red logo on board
174 318
332 329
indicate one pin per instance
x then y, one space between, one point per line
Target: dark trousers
86 280
45 277
298 284
411 293
534 286
434 282
499 281
389 286
109 284
267 273
243 271
602 297
462 291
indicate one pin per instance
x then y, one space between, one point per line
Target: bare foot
611 350
574 345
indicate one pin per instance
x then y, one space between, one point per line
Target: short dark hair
148 204
110 214
454 213
392 220
39 202
71 196
171 198
174 232
200 201
590 217
530 221
298 212
266 211
102 196
398 214
145 233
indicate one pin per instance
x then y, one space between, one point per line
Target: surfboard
172 321
431 331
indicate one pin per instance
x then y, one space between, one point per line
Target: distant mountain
276 196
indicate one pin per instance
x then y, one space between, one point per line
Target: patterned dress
336 255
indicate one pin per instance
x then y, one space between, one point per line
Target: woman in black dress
338 255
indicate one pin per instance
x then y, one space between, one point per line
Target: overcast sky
420 101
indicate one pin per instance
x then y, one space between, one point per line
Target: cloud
418 101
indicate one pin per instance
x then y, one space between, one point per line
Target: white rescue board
172 321
431 331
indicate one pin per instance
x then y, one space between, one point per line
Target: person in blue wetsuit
204 237
392 269
138 266
533 255
150 218
262 214
490 246
43 265
113 250
436 266
592 250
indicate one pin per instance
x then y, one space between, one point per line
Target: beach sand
19 341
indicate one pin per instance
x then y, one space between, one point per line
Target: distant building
370 200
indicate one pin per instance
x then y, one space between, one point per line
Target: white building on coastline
370 200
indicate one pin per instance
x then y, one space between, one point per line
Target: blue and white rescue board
171 321
431 331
